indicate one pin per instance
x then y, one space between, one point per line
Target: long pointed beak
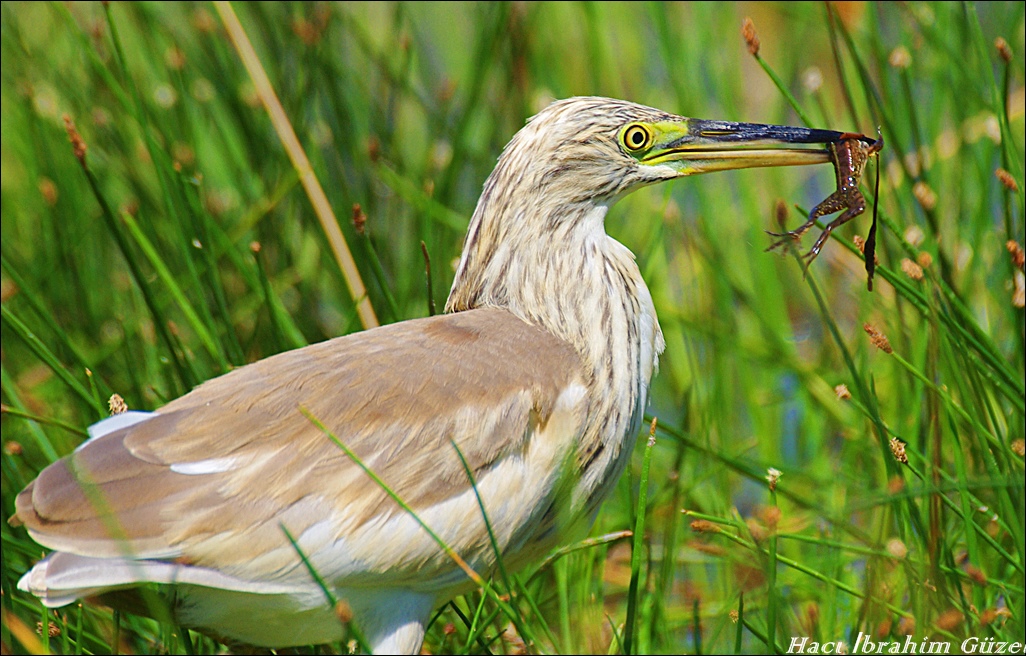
695 146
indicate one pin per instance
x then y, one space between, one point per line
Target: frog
849 155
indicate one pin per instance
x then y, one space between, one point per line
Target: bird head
599 149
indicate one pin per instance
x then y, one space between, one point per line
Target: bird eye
636 137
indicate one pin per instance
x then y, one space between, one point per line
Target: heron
536 376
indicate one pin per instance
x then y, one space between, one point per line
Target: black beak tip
727 131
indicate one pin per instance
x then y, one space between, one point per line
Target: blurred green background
144 278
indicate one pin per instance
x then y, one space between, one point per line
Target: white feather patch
60 578
199 467
116 423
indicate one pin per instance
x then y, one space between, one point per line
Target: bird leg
849 155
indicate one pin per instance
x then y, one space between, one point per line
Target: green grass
141 278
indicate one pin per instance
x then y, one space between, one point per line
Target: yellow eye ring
636 137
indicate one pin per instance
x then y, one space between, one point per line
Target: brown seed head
898 450
1019 447
883 628
248 93
129 207
748 576
1006 179
1003 49
756 530
184 153
751 38
204 21
514 643
906 626
52 630
217 201
773 475
900 57
117 405
950 619
96 28
812 615
174 58
704 526
307 31
13 448
911 269
8 290
254 247
48 189
896 548
711 549
842 392
101 117
373 148
343 611
446 90
990 615
895 484
878 338
1018 256
860 244
359 219
770 516
924 259
926 196
77 143
976 574
734 615
914 235
780 212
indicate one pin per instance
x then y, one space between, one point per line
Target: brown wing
210 477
